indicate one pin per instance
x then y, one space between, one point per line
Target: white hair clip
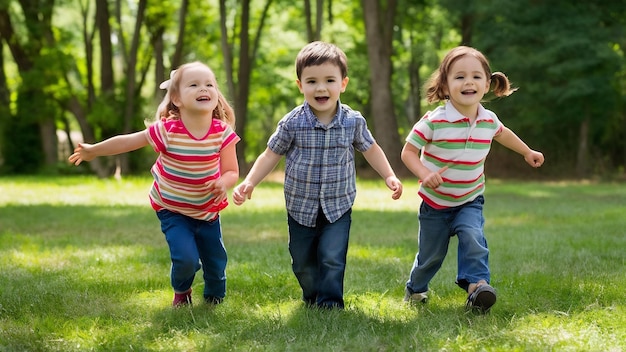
166 84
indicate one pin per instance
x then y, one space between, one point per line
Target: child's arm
510 140
264 164
411 158
376 157
229 173
112 146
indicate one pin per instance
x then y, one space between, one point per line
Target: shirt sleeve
157 136
363 139
280 141
421 133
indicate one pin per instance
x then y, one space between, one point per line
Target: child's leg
213 257
183 252
332 251
473 253
303 243
433 241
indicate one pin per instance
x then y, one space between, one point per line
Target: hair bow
166 84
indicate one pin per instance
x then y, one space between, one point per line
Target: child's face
467 84
322 85
198 90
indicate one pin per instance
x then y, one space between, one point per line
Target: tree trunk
582 156
378 31
240 89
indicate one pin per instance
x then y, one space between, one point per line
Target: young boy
318 139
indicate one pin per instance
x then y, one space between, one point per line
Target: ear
299 83
175 100
344 84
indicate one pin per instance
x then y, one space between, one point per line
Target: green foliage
91 273
564 77
566 57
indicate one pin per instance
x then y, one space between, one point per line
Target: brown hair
436 84
318 53
168 110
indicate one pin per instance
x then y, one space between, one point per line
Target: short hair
318 53
437 82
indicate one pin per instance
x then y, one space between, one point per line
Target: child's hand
434 179
534 158
218 190
395 185
81 153
242 192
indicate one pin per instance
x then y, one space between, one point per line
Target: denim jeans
436 226
318 258
194 245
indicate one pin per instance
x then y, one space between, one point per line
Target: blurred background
85 70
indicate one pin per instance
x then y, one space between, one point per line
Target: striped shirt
319 162
185 165
447 138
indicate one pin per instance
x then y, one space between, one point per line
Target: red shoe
182 299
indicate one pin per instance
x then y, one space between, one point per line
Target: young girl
446 150
197 163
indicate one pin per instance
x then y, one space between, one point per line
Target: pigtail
434 88
501 85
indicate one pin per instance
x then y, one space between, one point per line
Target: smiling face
321 86
198 90
467 83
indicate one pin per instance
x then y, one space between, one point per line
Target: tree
30 134
239 77
379 23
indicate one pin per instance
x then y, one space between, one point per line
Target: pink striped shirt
446 138
185 166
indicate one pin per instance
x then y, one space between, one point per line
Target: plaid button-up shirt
319 163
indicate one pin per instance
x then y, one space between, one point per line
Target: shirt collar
453 114
337 119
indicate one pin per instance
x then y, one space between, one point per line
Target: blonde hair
167 110
437 83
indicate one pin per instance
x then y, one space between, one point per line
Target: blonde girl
197 163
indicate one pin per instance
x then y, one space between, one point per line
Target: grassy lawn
85 267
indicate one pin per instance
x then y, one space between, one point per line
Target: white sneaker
418 297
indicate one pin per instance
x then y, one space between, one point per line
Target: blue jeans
318 258
436 227
194 245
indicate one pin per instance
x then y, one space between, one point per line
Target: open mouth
321 99
203 99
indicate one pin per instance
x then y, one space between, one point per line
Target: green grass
85 267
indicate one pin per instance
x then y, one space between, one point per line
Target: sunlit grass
85 267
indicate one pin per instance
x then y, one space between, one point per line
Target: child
454 141
197 163
318 139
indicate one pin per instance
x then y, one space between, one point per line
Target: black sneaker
483 297
212 300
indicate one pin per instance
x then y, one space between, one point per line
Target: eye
311 81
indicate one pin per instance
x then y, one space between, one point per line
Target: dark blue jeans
318 257
436 227
194 245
